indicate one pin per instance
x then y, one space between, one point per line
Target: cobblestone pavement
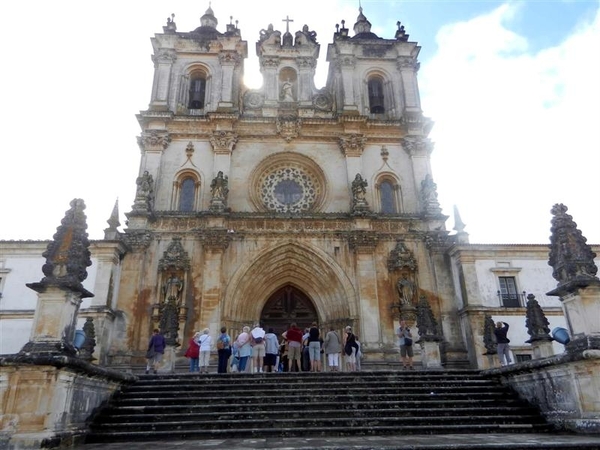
431 442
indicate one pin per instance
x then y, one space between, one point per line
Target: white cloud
516 131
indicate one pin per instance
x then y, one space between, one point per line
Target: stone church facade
288 204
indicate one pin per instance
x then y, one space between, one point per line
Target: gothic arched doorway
285 306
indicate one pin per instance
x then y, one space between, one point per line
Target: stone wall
50 403
566 388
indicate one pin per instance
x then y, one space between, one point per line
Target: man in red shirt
294 337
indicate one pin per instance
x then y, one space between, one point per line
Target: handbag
150 353
408 341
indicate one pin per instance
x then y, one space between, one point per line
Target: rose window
288 189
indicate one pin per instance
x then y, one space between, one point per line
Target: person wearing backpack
405 343
223 350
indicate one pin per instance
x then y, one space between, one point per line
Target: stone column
363 244
163 61
229 60
215 242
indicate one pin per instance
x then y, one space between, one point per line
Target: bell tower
371 76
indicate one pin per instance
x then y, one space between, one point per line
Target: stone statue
219 187
429 196
287 91
406 289
305 36
144 195
359 189
265 34
172 289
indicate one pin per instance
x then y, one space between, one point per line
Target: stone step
200 415
192 406
314 431
434 406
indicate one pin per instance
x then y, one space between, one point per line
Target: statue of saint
218 187
287 94
406 290
359 189
172 288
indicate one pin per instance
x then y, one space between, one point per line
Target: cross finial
287 25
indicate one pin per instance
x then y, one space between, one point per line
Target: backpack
220 344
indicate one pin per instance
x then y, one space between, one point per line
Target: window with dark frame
375 88
509 296
197 93
187 194
387 196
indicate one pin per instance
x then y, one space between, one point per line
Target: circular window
288 183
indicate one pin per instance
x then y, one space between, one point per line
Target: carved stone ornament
306 62
401 258
174 257
68 255
429 196
346 61
86 351
426 323
138 240
229 57
415 145
253 99
352 144
288 127
489 339
323 101
362 240
216 239
165 56
144 195
223 141
408 62
536 321
359 191
570 256
155 140
269 61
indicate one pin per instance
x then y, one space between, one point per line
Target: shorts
406 350
314 350
258 351
270 359
351 358
294 353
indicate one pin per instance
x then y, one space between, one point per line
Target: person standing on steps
350 349
258 347
223 350
333 347
314 347
244 348
271 351
193 353
156 348
502 340
205 343
294 337
405 343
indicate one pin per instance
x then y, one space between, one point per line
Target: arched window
197 94
375 90
388 198
187 194
389 195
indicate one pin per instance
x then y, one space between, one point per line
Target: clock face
286 188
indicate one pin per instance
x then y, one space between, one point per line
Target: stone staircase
216 406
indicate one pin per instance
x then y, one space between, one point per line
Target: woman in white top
205 343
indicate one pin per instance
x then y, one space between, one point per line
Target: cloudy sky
513 88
